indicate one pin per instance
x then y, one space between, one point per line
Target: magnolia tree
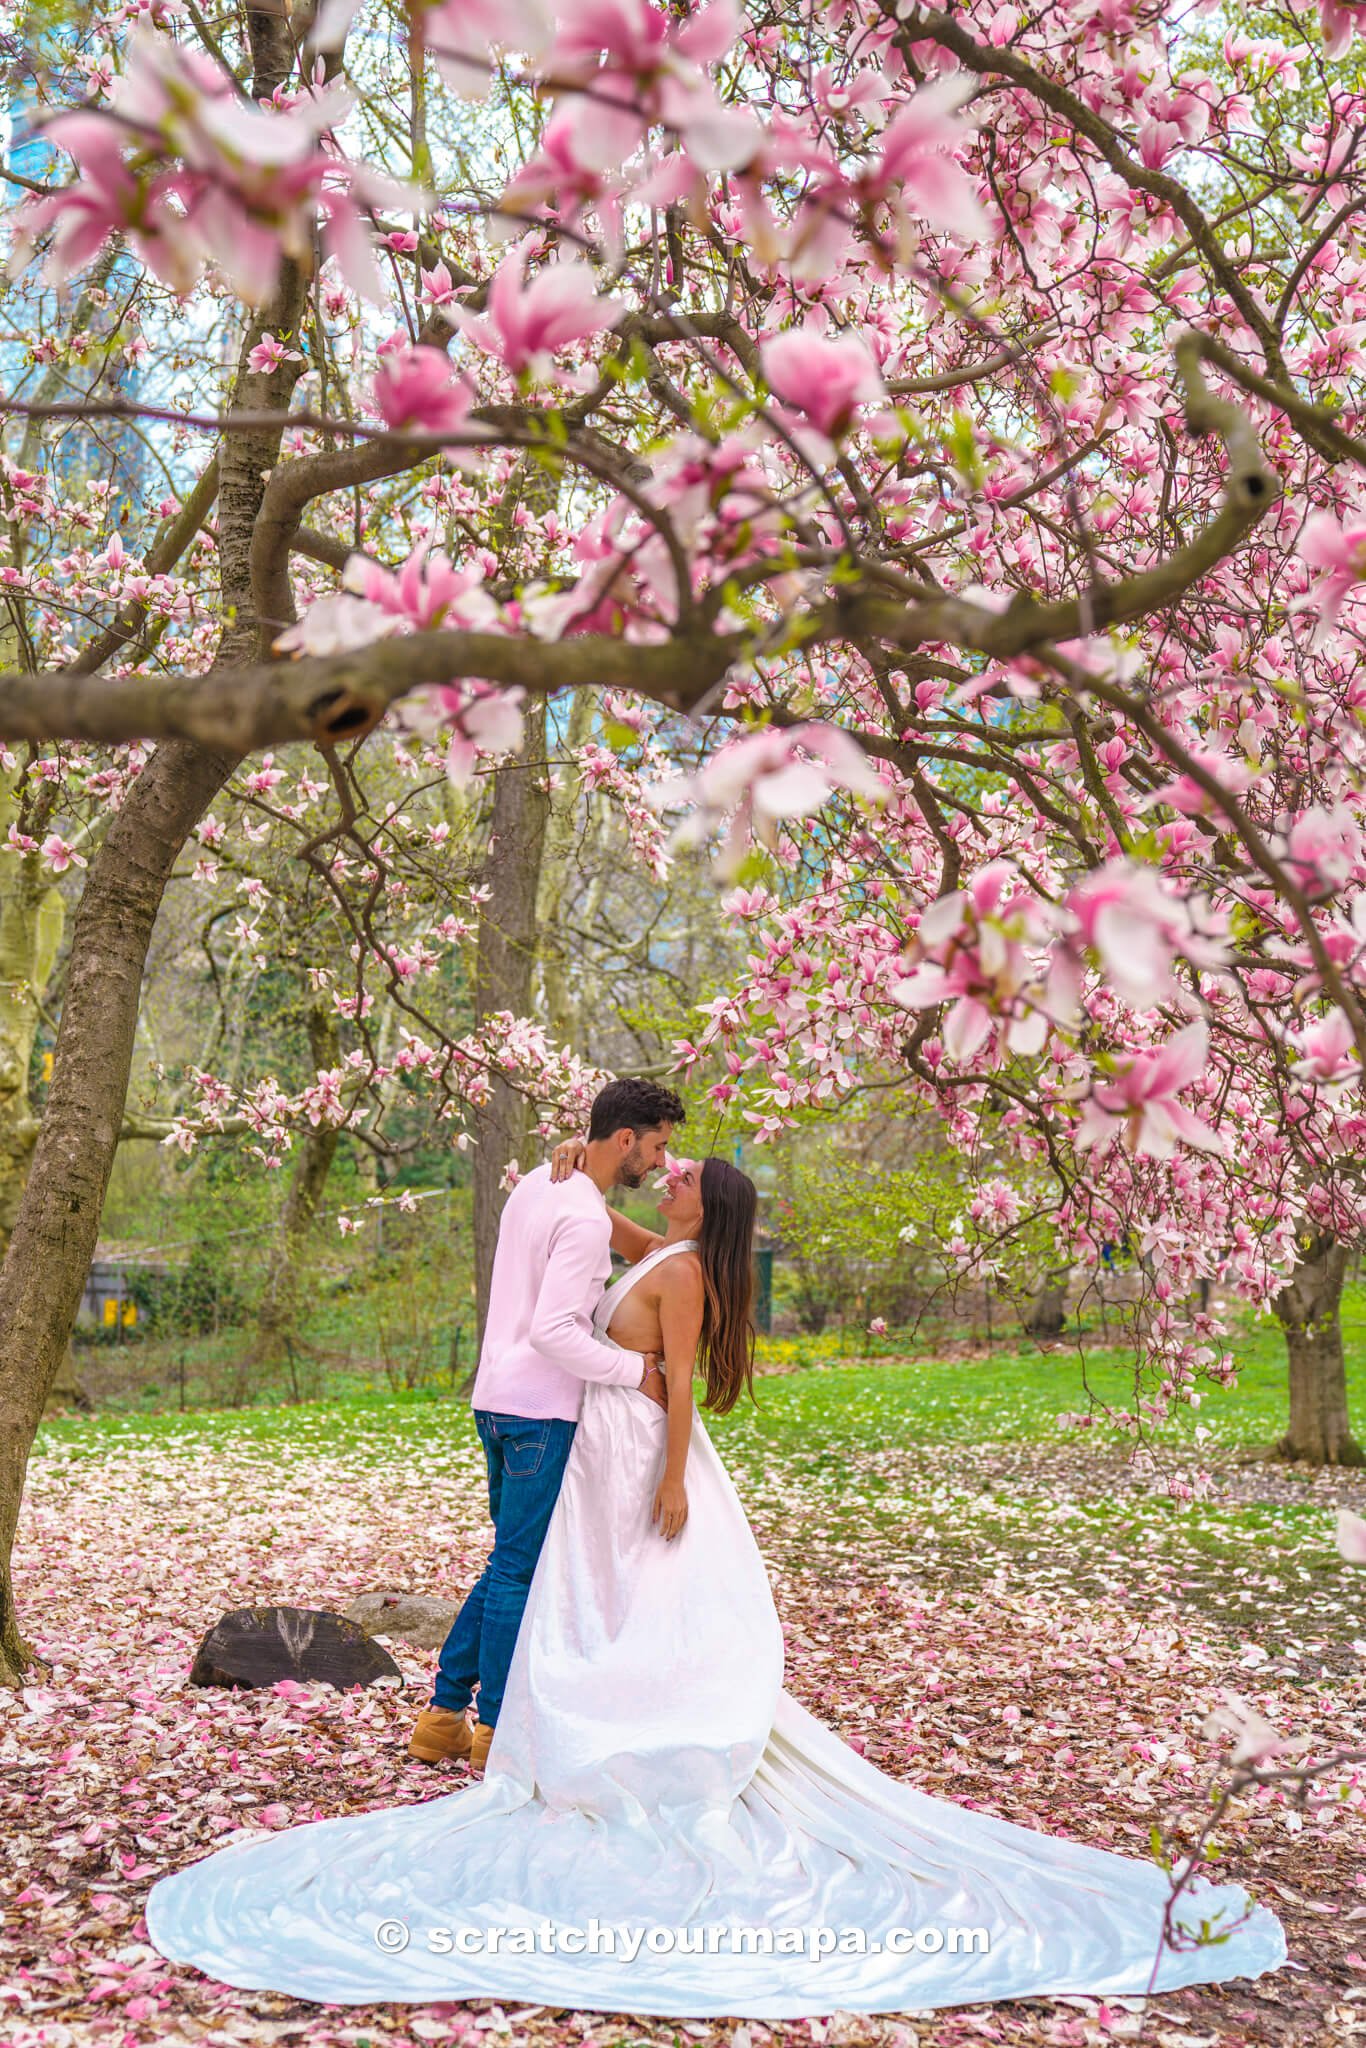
939 429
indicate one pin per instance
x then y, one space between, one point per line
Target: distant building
104 451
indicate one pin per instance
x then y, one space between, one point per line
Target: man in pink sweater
552 1262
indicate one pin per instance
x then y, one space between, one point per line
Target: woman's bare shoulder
681 1274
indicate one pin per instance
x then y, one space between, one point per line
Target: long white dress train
655 1800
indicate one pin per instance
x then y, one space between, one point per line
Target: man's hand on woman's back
652 1380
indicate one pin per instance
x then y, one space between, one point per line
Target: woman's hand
670 1510
567 1157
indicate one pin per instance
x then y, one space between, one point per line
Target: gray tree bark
505 961
1309 1311
277 1317
562 843
32 919
32 915
59 1214
1047 1316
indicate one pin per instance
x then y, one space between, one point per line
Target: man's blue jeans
526 1459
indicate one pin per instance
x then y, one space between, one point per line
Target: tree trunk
1309 1310
59 1216
31 918
562 845
504 964
505 958
66 1390
58 1219
1048 1311
277 1319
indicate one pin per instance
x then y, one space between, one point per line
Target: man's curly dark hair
633 1105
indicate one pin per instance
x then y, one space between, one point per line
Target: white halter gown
654 1802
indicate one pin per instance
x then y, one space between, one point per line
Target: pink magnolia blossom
332 23
976 949
1351 1537
1141 1104
427 592
417 387
438 286
623 65
322 1102
462 34
838 96
60 855
1256 1741
629 35
1328 1055
762 778
1189 796
269 353
827 380
674 1169
1157 140
337 624
1340 553
1138 928
197 174
996 1205
527 321
915 167
260 782
488 721
473 718
569 168
639 66
715 135
108 199
1339 21
1327 845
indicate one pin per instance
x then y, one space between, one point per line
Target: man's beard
632 1171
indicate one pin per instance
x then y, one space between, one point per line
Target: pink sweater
552 1262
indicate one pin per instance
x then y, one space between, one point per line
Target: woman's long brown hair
725 1246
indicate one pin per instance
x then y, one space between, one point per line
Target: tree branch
1317 423
337 697
1008 64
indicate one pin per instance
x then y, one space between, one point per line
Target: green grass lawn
885 1384
959 1466
818 1400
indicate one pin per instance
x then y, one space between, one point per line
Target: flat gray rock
414 1618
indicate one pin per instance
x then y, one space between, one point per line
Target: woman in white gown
661 1827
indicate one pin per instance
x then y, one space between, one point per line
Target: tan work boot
441 1733
479 1747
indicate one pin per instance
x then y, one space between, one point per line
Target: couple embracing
560 1347
660 1826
